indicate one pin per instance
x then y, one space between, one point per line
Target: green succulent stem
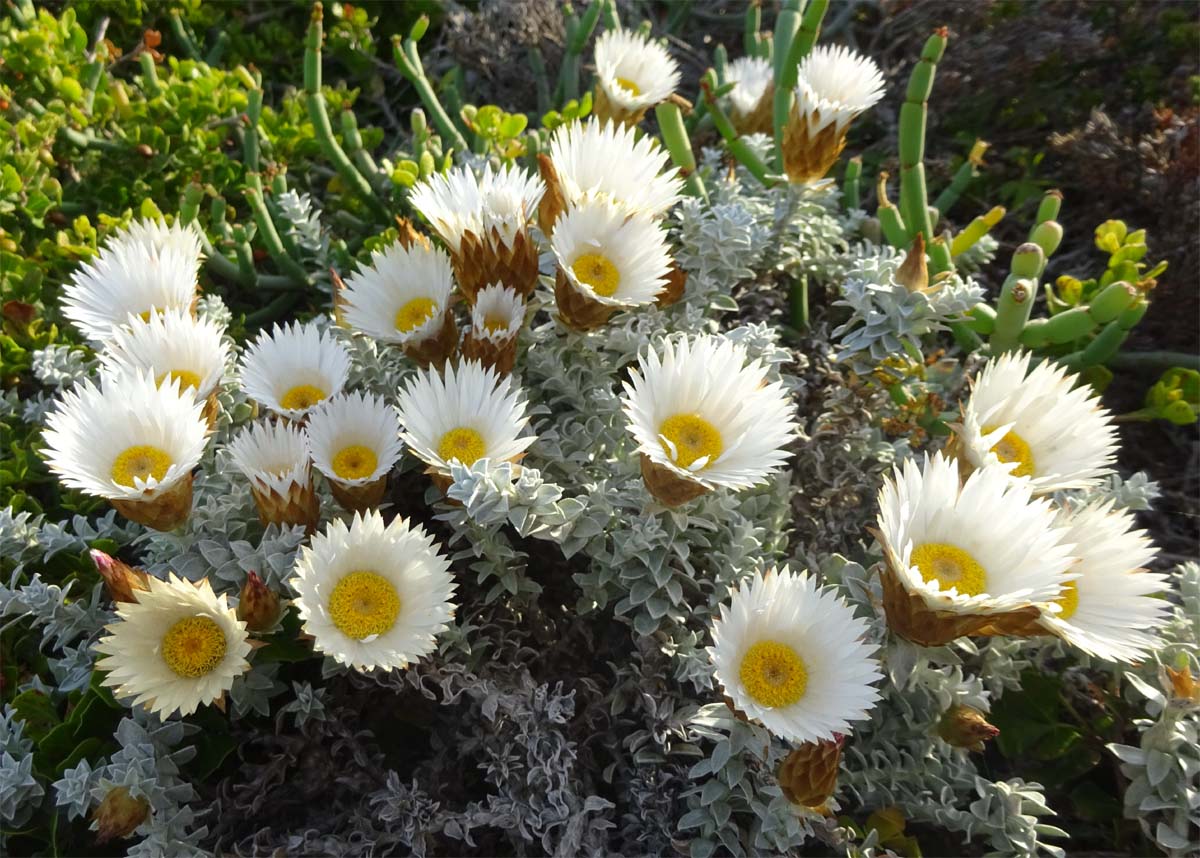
179 30
850 181
891 222
270 235
975 230
675 138
1155 360
798 302
737 146
1048 209
962 178
940 259
541 79
1017 297
250 139
149 74
914 200
579 30
612 18
353 139
318 113
408 60
721 63
787 24
751 24
217 51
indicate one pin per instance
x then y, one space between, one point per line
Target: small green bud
1048 236
1111 301
418 28
427 165
1027 260
418 121
966 727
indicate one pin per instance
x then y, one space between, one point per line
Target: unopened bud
1179 682
808 775
965 727
408 235
913 273
121 580
553 202
676 284
258 606
119 814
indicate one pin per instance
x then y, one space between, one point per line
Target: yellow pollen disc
364 604
355 462
193 647
495 324
693 437
950 566
629 86
143 461
301 397
186 378
1068 601
1013 448
598 272
145 317
774 675
414 314
463 444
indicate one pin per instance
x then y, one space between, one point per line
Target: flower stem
675 137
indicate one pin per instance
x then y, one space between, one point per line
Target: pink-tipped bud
119 815
258 606
121 580
965 727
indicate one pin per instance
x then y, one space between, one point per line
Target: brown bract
165 511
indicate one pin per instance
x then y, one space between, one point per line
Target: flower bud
258 607
119 814
913 273
808 775
120 580
965 727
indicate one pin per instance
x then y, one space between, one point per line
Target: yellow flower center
596 271
145 317
950 566
193 647
414 314
355 462
142 460
1013 448
463 444
693 437
1068 601
629 86
302 397
495 324
364 604
185 377
774 675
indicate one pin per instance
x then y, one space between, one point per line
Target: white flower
170 344
612 258
457 202
708 415
981 547
634 72
126 439
273 455
611 161
177 647
468 414
353 439
145 267
373 595
498 314
834 85
293 368
402 295
793 657
1109 610
750 76
1041 425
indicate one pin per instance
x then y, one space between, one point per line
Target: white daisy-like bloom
402 295
609 256
705 412
127 438
750 76
293 368
374 595
1041 425
610 160
634 72
170 345
1109 611
793 657
979 547
354 438
148 266
273 454
498 314
834 85
457 202
177 647
466 414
